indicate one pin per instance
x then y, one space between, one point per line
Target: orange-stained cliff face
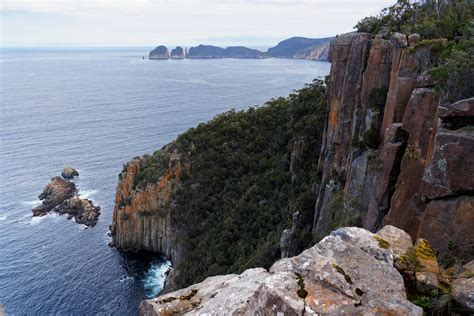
405 163
142 210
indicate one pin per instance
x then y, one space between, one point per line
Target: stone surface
54 194
177 53
61 196
419 121
141 218
448 225
69 173
451 167
347 54
399 240
426 282
462 108
463 293
346 273
413 39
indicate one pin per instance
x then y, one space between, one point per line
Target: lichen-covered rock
347 273
398 239
69 173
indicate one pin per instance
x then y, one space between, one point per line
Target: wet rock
61 196
426 282
69 173
399 240
83 210
54 194
346 273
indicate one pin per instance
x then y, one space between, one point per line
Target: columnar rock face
349 272
392 154
142 211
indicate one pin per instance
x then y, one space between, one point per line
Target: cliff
141 218
384 159
373 147
302 48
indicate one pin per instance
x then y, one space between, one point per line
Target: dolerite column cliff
142 211
392 154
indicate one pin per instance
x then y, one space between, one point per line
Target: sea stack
160 52
61 196
177 53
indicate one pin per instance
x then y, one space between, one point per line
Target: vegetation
431 19
455 72
238 195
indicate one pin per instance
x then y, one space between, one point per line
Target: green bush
238 195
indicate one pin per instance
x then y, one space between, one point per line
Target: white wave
31 203
35 220
3 217
125 278
87 194
155 278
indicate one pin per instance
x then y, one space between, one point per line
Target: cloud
149 22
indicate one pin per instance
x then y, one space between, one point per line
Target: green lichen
344 274
382 242
423 250
302 293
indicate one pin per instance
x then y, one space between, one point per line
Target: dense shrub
238 194
431 19
454 75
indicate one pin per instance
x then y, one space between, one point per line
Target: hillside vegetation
239 193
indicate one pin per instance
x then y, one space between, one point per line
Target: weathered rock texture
61 196
405 160
347 273
141 217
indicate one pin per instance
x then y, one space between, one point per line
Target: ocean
94 110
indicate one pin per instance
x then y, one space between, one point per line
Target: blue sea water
95 109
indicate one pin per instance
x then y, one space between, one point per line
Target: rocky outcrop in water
349 272
61 196
177 53
160 52
69 173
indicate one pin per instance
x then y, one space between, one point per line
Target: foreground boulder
463 288
349 272
61 196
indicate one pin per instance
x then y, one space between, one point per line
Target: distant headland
295 47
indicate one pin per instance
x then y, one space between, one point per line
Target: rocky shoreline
62 196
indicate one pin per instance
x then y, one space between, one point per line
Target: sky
146 23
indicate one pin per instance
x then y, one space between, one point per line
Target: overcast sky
40 23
